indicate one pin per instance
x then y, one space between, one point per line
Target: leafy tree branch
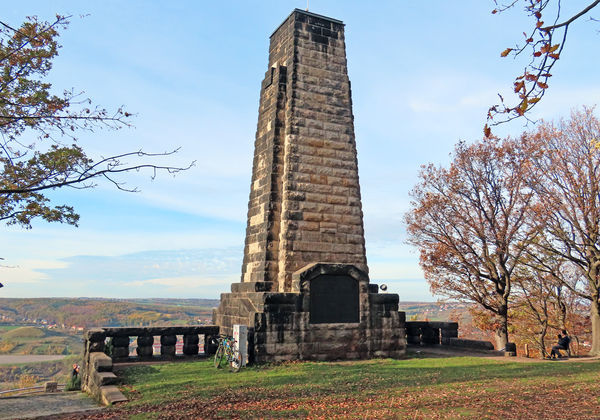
31 116
543 45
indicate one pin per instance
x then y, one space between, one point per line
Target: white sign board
240 335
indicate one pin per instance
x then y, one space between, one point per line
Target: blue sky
423 75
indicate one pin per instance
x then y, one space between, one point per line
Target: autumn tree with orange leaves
542 306
541 46
469 222
566 180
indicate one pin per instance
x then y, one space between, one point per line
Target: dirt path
42 406
438 351
13 359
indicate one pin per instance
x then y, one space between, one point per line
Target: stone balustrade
115 341
426 333
430 333
105 346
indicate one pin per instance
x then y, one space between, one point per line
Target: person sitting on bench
563 344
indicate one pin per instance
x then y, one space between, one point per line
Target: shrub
74 383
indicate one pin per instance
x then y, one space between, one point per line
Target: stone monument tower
305 291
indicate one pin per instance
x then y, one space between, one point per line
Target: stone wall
281 327
427 333
97 378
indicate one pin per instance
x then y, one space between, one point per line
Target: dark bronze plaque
333 299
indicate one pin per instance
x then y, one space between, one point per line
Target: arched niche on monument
332 292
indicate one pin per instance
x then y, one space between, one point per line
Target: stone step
104 378
110 395
101 362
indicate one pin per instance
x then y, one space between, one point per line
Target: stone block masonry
305 197
304 290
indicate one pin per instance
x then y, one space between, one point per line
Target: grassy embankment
15 340
457 387
34 340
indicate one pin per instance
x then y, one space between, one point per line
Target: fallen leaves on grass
496 399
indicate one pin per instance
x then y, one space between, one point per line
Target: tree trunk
542 340
595 315
501 335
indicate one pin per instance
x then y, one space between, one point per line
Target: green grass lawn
4 328
30 333
456 387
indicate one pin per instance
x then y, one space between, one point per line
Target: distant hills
434 311
80 313
38 340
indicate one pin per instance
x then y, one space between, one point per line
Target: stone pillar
413 332
449 330
190 344
167 345
427 335
210 345
120 347
93 341
145 347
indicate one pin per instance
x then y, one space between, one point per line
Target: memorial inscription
334 299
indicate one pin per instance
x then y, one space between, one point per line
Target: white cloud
203 273
44 264
62 242
18 275
22 277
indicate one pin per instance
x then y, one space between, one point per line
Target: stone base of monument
333 313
